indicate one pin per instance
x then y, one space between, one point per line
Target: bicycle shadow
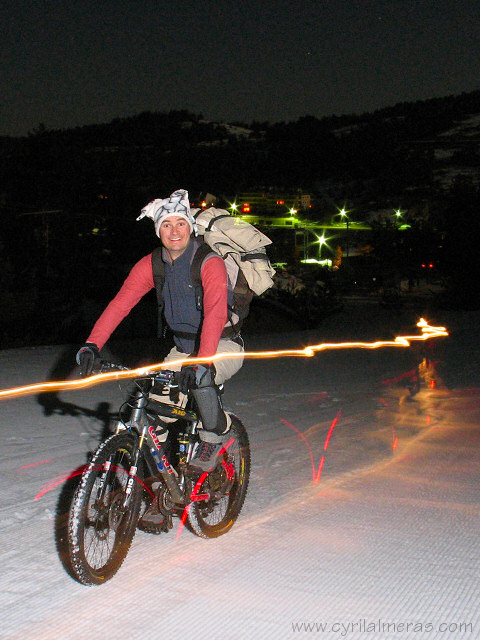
51 402
131 354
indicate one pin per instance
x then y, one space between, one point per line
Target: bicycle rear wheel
100 527
227 486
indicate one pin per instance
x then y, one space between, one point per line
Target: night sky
67 63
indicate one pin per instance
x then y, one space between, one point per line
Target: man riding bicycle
196 332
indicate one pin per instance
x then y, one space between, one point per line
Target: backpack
242 247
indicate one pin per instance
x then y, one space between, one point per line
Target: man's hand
194 376
86 358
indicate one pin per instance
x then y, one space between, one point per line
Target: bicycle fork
109 467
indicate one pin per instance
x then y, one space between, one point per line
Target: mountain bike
135 480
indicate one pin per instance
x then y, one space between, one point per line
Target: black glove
193 376
86 358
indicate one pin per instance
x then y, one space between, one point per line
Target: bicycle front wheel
102 518
226 487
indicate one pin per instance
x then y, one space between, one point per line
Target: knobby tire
214 517
100 532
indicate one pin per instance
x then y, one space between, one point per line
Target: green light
343 213
324 263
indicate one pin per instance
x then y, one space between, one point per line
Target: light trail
427 332
34 464
316 473
58 480
394 433
65 477
194 497
199 497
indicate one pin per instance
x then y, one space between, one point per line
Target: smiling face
175 235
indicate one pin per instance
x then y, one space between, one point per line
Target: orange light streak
427 332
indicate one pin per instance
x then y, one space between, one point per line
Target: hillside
69 198
400 151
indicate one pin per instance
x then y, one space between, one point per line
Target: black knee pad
210 408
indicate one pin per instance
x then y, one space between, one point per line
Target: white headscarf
176 205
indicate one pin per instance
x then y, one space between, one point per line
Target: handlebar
165 376
104 365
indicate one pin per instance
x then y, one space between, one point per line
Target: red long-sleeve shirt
140 281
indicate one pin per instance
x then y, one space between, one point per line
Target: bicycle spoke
100 531
227 487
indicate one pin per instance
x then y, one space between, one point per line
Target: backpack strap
158 270
213 220
195 271
253 256
195 275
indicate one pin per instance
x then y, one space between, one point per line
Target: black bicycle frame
149 444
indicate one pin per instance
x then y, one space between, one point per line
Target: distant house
272 203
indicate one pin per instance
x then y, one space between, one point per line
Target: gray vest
181 313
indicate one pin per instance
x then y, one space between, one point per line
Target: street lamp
399 220
398 214
343 214
321 240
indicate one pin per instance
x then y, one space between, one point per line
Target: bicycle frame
147 442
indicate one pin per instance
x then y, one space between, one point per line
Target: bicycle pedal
154 529
155 523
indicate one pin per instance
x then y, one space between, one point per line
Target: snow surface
382 544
